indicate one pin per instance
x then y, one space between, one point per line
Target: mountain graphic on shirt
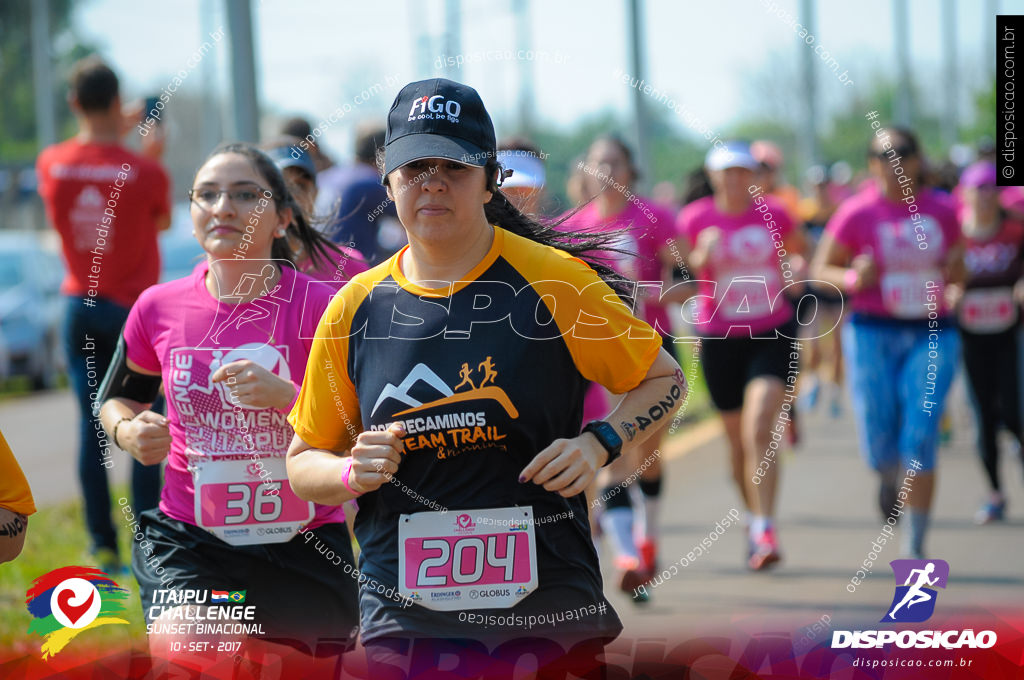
423 373
400 392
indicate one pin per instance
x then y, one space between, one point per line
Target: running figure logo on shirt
914 601
423 373
448 432
265 308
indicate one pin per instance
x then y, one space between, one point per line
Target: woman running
893 249
989 317
451 378
740 245
229 343
824 349
644 230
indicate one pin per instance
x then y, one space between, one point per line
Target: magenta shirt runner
730 294
179 329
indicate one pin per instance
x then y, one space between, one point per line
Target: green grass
57 538
699 404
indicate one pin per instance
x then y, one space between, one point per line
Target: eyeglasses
242 197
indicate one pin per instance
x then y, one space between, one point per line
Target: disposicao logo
913 602
70 600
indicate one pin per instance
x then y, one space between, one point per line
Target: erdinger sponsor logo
428 107
446 595
914 602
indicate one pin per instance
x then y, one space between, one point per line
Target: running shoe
648 555
766 552
887 499
945 430
992 511
835 405
810 398
631 574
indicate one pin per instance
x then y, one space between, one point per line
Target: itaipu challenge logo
914 600
69 601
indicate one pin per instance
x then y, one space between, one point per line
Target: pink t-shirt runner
180 330
647 234
909 252
740 288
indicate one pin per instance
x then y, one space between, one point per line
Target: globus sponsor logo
494 592
917 639
262 531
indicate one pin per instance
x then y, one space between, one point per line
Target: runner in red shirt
107 203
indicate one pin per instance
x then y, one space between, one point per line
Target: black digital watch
608 437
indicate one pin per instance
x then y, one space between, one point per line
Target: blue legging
899 374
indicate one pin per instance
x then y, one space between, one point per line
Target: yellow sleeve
15 494
326 413
608 343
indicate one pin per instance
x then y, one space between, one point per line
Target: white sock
652 504
641 520
617 524
758 525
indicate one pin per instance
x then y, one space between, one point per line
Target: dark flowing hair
593 248
313 243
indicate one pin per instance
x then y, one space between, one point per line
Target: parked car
30 310
179 250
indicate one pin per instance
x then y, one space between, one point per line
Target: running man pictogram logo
914 600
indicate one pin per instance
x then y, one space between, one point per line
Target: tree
18 144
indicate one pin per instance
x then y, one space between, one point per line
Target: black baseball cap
438 118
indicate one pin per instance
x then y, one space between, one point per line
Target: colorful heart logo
73 612
464 521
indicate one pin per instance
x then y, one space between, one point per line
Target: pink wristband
345 473
850 279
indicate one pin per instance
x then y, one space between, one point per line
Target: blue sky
314 56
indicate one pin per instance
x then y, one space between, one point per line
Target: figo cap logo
916 581
70 600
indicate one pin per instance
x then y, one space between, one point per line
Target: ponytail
593 248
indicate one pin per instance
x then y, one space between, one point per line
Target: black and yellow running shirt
484 373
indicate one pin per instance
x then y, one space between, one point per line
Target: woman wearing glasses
988 313
893 249
229 343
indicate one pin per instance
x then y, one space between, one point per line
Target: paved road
827 521
42 430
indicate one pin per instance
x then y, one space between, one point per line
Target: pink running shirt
179 329
741 285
